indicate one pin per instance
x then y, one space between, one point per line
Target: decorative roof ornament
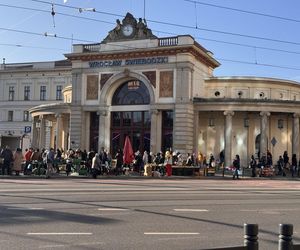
129 29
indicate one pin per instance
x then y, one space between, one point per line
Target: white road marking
65 233
71 245
270 210
51 246
112 209
170 233
25 208
190 210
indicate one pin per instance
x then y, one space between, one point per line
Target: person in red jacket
27 157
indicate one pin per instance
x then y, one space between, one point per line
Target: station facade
163 94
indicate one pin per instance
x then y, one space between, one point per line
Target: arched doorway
257 145
129 116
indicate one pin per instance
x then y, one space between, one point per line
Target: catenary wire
186 26
221 59
28 46
245 11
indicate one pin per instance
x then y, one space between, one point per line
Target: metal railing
168 41
91 47
285 241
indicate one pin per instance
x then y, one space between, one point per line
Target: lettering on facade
166 84
92 87
132 85
129 62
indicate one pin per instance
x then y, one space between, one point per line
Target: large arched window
132 92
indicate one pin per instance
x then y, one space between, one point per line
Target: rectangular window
26 93
11 93
59 92
26 116
10 116
43 93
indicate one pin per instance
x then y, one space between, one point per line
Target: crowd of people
49 161
283 166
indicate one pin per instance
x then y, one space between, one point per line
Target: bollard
285 237
250 236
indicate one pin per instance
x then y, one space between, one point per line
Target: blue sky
236 60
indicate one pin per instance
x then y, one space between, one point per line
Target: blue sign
27 129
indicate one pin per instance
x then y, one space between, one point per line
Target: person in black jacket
236 165
294 165
253 165
7 156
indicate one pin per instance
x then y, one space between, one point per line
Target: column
295 137
264 132
104 130
228 137
59 128
42 132
154 131
196 132
34 134
66 121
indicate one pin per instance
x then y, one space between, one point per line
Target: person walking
119 162
253 165
50 161
236 165
294 165
280 166
7 156
168 163
96 165
18 159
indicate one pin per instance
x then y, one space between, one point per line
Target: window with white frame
26 93
43 93
11 93
59 92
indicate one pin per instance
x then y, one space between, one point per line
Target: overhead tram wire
44 34
97 20
30 47
179 25
259 64
244 11
221 59
233 43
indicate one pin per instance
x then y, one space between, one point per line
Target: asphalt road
129 213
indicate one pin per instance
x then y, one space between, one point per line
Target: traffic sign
27 129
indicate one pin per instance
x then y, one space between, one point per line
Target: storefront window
137 118
167 130
127 119
116 119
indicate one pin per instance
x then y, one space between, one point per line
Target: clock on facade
127 30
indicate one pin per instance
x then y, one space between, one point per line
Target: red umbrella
128 155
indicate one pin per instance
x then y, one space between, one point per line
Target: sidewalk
227 176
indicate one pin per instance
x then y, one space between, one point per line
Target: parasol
128 155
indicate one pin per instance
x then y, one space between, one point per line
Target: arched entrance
131 116
257 145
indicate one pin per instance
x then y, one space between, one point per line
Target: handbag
1 160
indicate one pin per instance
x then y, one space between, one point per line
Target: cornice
170 51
